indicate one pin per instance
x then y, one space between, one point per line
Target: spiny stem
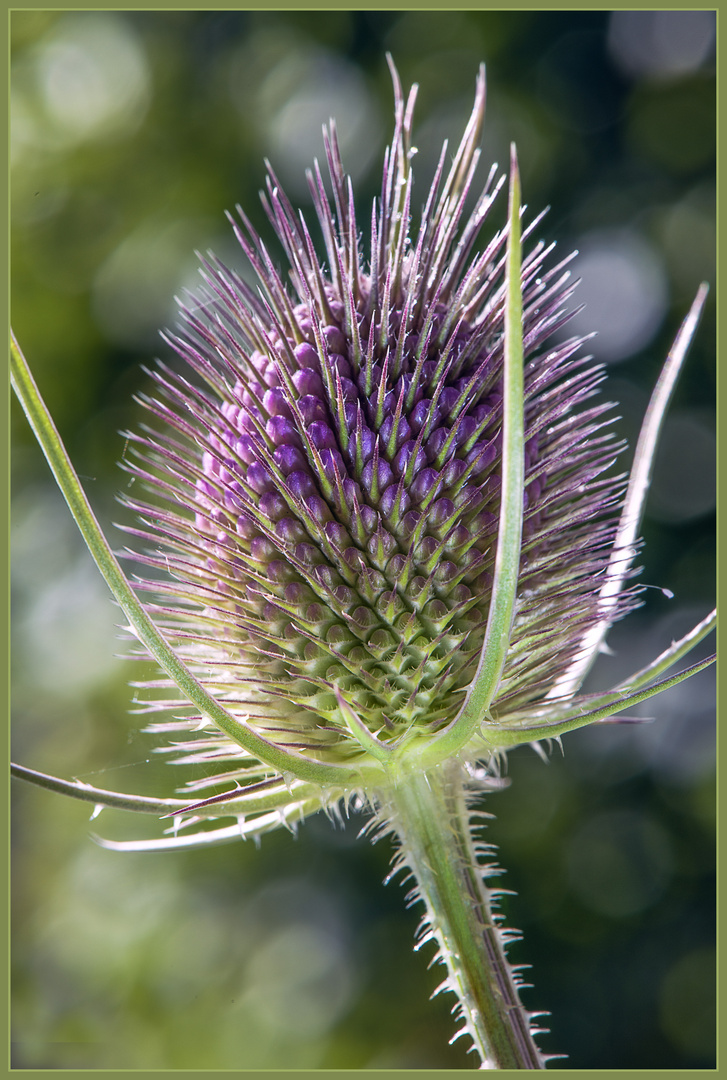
429 815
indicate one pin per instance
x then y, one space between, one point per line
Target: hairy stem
429 815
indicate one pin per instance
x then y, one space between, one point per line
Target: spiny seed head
330 468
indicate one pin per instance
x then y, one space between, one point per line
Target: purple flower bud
426 548
307 356
301 484
403 430
440 512
271 375
312 409
435 443
453 472
448 399
389 499
259 478
280 571
424 412
233 497
403 460
376 477
481 456
307 381
347 389
289 459
289 531
244 526
338 535
381 545
282 431
322 436
252 394
423 484
275 403
297 593
334 339
318 509
245 449
262 550
332 464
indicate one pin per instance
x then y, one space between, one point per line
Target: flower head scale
332 476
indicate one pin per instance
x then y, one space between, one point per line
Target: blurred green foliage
132 133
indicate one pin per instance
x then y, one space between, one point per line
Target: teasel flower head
328 470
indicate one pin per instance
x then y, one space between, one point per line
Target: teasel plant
383 543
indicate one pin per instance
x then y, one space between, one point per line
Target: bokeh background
132 133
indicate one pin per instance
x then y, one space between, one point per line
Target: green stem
429 815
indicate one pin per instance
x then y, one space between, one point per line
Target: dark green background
296 956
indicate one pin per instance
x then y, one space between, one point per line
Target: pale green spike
508 737
672 655
509 538
237 803
676 651
228 835
142 804
231 833
361 733
633 508
212 838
